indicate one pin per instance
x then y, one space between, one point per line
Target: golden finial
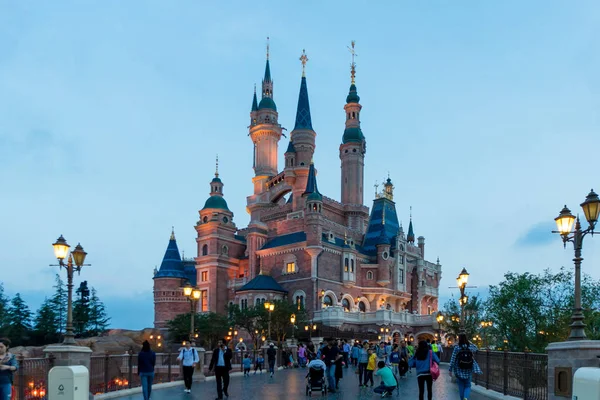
267 48
303 59
411 213
353 65
376 185
172 233
217 164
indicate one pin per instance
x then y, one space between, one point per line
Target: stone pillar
202 356
66 355
564 358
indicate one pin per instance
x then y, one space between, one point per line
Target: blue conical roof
383 218
311 184
254 101
267 72
411 234
171 266
303 120
291 148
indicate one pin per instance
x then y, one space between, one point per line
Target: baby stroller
315 379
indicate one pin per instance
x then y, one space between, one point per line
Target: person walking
463 364
259 363
188 356
221 362
371 367
411 352
403 365
8 366
247 365
302 356
395 359
355 353
146 363
363 360
271 356
331 354
346 352
421 362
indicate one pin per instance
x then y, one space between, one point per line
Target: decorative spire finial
411 213
172 233
303 60
217 163
376 185
267 48
353 65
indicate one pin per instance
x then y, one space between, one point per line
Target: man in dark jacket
221 362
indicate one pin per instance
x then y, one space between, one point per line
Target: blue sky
485 114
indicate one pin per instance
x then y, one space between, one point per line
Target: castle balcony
430 291
337 316
236 283
276 180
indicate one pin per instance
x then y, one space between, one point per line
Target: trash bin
69 383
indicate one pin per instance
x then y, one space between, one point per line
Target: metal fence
31 381
109 373
523 375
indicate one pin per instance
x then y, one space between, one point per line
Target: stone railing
430 291
336 316
236 283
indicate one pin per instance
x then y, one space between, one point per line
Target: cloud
538 235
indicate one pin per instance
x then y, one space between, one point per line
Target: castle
346 267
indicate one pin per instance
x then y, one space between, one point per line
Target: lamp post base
577 327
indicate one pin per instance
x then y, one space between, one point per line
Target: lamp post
77 256
193 295
293 321
270 307
564 223
461 282
310 329
440 319
484 326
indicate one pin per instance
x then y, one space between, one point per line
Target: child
371 366
395 359
247 365
260 361
388 380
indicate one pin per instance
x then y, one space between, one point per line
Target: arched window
224 250
370 275
205 250
327 301
346 264
300 302
362 307
346 304
352 265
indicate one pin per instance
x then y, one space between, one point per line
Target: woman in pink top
302 355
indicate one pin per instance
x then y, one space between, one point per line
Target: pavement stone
290 384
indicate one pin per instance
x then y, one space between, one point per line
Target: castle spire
353 64
254 100
217 167
172 233
267 83
311 183
411 233
303 119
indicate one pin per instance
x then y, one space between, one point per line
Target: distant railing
523 375
31 380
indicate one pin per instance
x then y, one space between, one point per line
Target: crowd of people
389 362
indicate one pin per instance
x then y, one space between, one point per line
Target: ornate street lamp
439 319
462 281
293 321
74 263
564 224
193 295
270 307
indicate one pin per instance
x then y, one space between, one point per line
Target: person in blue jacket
421 362
8 367
146 363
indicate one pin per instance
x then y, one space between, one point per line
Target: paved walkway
290 384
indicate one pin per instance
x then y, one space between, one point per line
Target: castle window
362 307
300 302
352 265
225 220
354 150
401 247
224 250
327 301
346 264
205 250
204 276
429 310
290 267
346 304
244 304
401 259
205 219
401 275
370 275
203 300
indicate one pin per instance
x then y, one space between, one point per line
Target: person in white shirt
188 356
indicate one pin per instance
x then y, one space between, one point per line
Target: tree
98 319
18 326
46 329
3 308
474 312
59 303
81 311
209 326
252 319
280 318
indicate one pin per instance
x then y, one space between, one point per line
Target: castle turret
303 138
265 133
353 147
314 208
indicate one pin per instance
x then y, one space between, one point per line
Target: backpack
465 358
395 357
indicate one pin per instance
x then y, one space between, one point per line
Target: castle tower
169 300
353 147
303 140
265 133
